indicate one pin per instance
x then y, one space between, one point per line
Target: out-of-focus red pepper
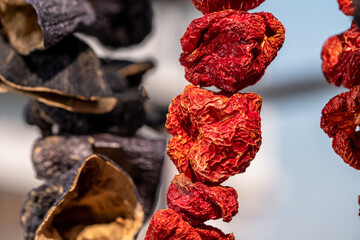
347 7
341 58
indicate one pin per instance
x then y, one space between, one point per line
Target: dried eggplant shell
67 75
127 116
141 158
120 23
94 200
38 24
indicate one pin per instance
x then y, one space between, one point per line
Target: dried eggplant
142 159
120 23
94 200
38 24
67 75
127 116
123 77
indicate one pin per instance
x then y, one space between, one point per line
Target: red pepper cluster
215 134
341 67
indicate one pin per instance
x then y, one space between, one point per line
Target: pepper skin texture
168 225
230 49
340 118
209 6
216 135
341 57
197 203
347 7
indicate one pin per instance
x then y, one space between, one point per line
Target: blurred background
297 187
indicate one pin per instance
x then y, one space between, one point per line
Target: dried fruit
340 118
347 7
230 49
120 23
197 203
340 58
67 75
39 24
215 136
209 6
141 158
168 225
95 200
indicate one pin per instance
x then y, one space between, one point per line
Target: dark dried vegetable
197 203
230 49
209 6
67 75
168 225
347 7
127 116
340 118
120 23
95 200
340 58
39 24
141 158
215 136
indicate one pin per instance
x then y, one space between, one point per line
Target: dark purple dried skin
120 23
41 200
142 159
59 19
37 24
127 116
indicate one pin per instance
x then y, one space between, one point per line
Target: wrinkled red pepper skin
230 49
341 57
197 203
340 118
168 225
215 135
347 7
209 6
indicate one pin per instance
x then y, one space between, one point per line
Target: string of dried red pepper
340 65
215 134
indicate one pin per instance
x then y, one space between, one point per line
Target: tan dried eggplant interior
20 22
101 204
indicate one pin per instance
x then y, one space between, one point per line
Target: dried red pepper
341 57
347 7
340 118
209 6
215 136
197 203
168 225
230 49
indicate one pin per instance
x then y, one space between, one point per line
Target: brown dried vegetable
95 200
230 49
141 158
67 75
38 24
215 136
197 203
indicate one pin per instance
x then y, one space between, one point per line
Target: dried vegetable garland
340 65
100 179
215 134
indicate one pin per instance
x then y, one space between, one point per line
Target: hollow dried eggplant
120 23
94 200
38 24
67 75
142 159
